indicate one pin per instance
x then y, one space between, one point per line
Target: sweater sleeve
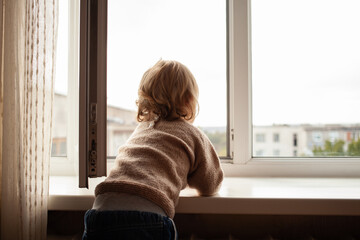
206 175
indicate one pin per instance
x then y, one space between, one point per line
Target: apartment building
120 124
300 140
279 141
268 141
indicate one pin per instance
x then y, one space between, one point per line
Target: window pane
59 127
140 32
306 77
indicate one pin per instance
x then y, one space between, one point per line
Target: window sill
275 196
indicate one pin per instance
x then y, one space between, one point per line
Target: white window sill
295 196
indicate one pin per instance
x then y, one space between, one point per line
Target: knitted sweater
159 160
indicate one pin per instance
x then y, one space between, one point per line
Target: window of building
295 153
276 137
259 153
260 138
276 152
317 137
333 136
295 140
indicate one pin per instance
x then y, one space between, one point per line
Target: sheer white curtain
29 33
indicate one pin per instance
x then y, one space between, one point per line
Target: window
295 140
140 32
64 150
264 90
276 137
276 152
259 153
260 137
333 136
60 117
317 137
305 70
58 147
287 107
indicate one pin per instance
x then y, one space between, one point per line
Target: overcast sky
305 55
306 61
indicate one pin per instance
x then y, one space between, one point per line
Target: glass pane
59 127
140 32
306 78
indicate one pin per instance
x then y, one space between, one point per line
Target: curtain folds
29 36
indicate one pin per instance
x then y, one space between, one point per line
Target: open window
243 54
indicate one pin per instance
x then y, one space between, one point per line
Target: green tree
330 149
218 139
354 148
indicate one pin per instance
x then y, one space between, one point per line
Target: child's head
168 91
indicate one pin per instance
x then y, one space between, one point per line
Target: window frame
241 163
92 90
68 165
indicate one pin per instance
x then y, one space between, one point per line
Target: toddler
165 154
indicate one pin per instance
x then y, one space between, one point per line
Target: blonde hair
168 91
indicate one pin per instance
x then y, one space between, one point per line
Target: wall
69 225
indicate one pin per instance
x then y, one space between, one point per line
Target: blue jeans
127 225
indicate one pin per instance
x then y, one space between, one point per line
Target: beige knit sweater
160 160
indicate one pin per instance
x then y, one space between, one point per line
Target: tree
354 148
330 149
218 139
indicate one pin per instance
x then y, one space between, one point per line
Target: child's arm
206 175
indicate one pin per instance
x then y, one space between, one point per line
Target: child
163 155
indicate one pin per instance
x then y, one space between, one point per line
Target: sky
306 61
142 32
305 55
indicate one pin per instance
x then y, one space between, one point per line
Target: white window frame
68 166
244 164
241 162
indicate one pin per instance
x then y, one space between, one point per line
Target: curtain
29 33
